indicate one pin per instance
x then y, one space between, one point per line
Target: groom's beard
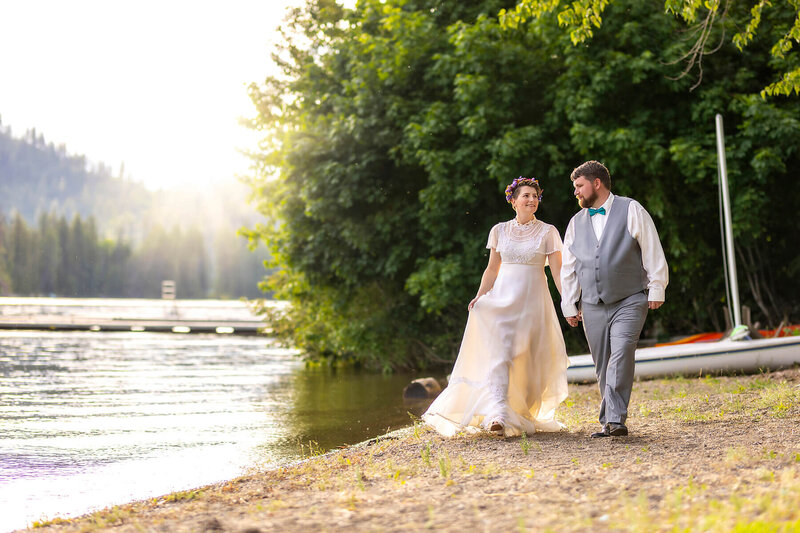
587 201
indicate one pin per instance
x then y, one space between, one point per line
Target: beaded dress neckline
531 222
522 232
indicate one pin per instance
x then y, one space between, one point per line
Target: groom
614 268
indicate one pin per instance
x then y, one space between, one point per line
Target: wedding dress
512 365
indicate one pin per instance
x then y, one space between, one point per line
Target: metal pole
726 207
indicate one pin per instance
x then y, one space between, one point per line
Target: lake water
91 419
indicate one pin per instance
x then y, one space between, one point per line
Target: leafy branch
580 17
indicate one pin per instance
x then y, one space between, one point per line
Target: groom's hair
592 170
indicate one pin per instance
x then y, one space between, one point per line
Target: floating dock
51 323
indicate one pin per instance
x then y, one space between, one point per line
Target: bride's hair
512 191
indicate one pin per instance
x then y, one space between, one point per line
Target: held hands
573 320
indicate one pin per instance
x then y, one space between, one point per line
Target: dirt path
708 454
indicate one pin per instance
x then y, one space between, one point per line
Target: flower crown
519 182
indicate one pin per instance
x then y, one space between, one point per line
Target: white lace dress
512 365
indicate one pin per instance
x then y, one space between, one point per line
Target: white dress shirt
641 227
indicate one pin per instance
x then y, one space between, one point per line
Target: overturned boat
696 359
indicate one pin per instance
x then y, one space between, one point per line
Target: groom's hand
573 320
654 305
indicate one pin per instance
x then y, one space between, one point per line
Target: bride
511 370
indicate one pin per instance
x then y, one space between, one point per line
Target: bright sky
158 85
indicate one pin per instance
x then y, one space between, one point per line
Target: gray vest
611 269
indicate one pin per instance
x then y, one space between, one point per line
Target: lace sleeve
493 237
552 241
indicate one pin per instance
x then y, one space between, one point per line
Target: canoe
695 359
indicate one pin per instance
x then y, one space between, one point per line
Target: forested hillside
36 177
71 228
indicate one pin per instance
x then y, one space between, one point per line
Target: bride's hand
472 303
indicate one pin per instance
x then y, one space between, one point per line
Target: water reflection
334 407
95 419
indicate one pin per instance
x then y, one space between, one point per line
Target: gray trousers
613 332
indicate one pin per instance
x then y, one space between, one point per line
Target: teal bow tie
593 211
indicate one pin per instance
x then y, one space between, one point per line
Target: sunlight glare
159 86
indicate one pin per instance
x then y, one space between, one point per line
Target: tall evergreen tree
5 273
66 277
116 259
49 253
23 257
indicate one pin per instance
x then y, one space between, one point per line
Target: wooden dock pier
65 323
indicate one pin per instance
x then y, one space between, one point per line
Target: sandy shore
704 454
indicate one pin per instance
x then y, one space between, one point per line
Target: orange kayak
786 331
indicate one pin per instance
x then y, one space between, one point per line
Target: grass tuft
445 469
525 444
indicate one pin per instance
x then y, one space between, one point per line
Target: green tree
23 256
113 268
5 274
709 23
398 124
83 241
66 274
353 232
49 253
